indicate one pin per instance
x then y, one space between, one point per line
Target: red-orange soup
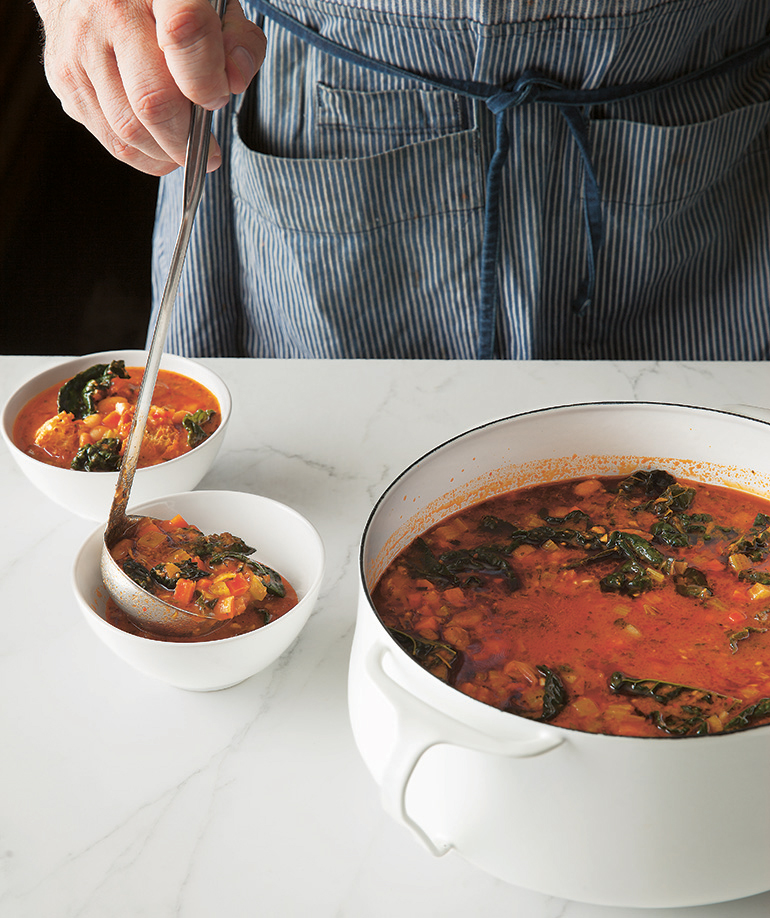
70 439
637 606
211 575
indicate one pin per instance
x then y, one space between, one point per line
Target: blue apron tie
574 106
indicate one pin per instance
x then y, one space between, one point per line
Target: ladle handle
194 178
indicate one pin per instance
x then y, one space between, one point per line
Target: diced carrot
184 590
177 522
736 616
112 419
147 525
454 595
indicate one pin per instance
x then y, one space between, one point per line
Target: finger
131 140
215 155
244 44
80 100
189 34
141 99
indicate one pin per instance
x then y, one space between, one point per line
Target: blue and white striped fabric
348 219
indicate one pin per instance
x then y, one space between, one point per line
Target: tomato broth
637 606
83 422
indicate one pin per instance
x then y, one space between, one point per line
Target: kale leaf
749 716
554 694
437 657
754 544
188 570
690 708
692 583
193 424
539 703
274 584
138 573
743 634
77 395
675 499
635 548
660 691
470 563
216 549
484 560
102 456
651 483
223 544
424 565
630 579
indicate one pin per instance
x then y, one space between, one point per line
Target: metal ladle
145 610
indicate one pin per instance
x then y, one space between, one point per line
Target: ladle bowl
145 610
284 540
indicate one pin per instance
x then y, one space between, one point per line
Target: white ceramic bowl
89 494
283 539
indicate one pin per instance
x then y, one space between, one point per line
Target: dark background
75 224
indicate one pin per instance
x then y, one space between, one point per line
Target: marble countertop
124 797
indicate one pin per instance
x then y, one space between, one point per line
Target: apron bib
489 181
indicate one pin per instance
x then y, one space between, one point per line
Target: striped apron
496 179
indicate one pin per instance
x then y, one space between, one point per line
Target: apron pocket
365 257
351 123
684 270
647 164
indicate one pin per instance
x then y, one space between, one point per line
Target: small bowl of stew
257 567
66 428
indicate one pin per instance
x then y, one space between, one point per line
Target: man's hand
129 69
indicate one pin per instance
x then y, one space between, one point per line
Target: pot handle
416 734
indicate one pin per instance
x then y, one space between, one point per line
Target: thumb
244 44
190 37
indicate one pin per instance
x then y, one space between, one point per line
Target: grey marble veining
122 797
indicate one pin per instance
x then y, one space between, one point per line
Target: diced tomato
238 585
713 564
184 590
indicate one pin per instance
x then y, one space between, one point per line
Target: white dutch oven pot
623 821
